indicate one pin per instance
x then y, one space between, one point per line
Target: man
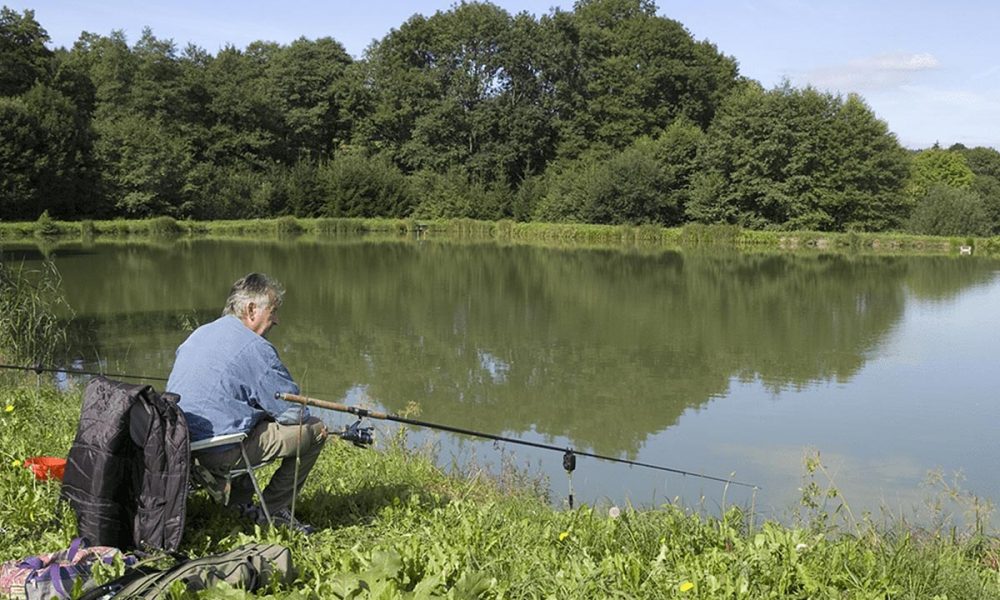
227 375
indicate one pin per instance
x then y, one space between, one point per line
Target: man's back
226 376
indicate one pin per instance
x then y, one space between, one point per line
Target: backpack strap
55 574
74 547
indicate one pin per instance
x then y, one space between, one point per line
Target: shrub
948 211
358 186
629 188
164 226
288 226
452 196
46 227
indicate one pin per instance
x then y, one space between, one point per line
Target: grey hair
255 288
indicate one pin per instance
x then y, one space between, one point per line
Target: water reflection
599 349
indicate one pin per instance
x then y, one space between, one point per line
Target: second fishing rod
569 454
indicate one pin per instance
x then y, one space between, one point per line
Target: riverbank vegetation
49 234
394 525
607 114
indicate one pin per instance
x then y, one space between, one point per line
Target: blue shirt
226 376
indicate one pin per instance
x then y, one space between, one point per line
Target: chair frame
244 467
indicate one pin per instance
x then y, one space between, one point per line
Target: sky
931 70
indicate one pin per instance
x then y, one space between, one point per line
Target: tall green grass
33 313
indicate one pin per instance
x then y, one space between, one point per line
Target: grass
393 525
30 331
575 234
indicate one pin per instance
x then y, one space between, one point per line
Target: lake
728 364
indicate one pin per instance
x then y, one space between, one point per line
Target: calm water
730 365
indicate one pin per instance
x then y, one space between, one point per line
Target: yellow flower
9 408
563 535
15 463
687 586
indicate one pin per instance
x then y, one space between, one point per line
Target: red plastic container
45 467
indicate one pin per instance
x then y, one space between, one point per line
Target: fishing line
569 454
39 369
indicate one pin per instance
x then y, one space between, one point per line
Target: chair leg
256 486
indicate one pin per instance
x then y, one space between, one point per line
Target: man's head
254 299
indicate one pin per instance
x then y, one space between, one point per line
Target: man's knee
317 430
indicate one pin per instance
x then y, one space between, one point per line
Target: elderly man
227 375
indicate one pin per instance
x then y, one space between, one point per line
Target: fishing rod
39 369
361 436
569 454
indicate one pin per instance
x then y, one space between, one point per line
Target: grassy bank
507 231
392 525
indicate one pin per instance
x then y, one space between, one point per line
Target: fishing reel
358 435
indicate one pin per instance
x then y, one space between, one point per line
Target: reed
31 330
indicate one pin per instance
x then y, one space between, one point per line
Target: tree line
606 113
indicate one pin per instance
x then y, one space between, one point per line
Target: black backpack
127 472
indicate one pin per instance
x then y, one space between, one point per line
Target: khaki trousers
269 441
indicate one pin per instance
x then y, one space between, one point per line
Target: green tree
947 210
645 183
111 67
18 157
303 195
988 189
981 160
453 194
306 85
356 185
24 59
156 88
618 71
676 152
45 157
242 121
935 166
145 163
985 164
798 159
460 90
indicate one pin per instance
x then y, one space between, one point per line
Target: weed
288 226
164 227
31 328
45 227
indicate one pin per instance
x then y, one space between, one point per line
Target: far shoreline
159 229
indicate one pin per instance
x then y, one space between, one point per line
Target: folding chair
208 480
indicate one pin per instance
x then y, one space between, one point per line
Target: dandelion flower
9 408
563 535
15 463
687 586
614 512
800 547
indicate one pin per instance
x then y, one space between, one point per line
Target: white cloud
871 73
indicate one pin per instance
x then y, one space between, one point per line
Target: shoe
249 511
284 518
